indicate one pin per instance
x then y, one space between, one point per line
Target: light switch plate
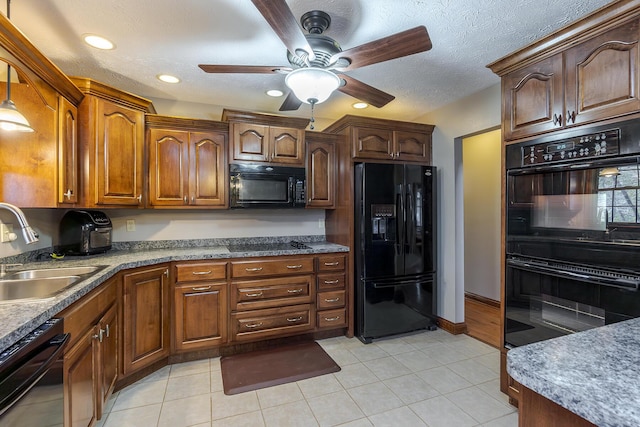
131 225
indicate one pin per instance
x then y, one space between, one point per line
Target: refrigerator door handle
400 225
411 223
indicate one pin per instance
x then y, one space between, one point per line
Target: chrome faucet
30 236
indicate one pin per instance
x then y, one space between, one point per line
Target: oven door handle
55 346
629 285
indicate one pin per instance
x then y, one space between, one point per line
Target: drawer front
271 267
272 322
334 299
255 294
331 262
195 272
330 281
332 318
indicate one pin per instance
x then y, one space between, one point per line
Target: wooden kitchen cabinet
200 305
593 80
187 162
331 299
68 165
265 138
321 170
111 135
146 317
91 359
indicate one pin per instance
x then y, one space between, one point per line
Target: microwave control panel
598 144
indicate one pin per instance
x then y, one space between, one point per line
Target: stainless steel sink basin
53 272
16 289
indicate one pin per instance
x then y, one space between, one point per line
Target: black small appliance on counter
84 232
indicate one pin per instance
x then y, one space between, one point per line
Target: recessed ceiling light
275 93
98 42
167 78
360 105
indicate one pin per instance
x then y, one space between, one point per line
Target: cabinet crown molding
264 119
370 122
89 86
184 123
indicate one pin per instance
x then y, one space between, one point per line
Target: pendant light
10 118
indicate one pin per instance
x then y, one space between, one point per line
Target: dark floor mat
280 365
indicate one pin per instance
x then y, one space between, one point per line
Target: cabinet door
79 388
321 157
208 171
200 315
533 99
603 76
372 143
120 133
108 358
146 317
67 152
286 145
412 146
168 167
249 142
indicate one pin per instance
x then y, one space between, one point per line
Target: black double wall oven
572 232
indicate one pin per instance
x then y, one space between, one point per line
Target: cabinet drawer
195 272
330 281
331 263
254 294
332 318
271 322
271 267
334 299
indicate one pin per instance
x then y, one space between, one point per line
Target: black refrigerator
395 249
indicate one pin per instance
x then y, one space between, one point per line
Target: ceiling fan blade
291 103
285 25
406 43
250 69
364 92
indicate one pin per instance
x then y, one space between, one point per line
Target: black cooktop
262 247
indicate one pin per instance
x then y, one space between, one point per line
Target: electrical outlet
321 224
131 225
6 233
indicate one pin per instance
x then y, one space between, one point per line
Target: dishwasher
31 374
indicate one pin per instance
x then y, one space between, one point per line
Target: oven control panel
599 144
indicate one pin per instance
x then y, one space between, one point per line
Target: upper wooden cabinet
587 72
111 135
37 168
265 138
387 140
321 170
187 162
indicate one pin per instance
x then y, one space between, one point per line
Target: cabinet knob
557 119
68 194
571 116
139 198
185 199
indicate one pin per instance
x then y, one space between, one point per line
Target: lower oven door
543 303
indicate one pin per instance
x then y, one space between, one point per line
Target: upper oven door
575 200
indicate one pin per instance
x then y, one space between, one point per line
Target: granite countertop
594 373
19 318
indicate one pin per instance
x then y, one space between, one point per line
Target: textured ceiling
169 36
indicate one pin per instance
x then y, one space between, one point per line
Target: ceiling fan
318 63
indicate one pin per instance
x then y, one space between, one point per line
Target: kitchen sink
45 273
41 288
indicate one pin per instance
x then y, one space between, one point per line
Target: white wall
467 116
481 164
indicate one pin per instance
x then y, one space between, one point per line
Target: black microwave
264 186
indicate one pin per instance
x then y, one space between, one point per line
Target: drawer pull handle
253 269
253 325
257 294
200 273
331 264
203 288
332 299
294 267
331 282
294 291
332 319
294 319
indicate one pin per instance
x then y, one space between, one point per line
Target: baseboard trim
482 316
452 328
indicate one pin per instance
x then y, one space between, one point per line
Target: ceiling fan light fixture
275 93
312 85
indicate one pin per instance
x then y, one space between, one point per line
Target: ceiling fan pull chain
312 120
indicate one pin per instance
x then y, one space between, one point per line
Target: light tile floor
430 379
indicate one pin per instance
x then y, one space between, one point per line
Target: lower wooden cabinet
255 325
146 317
200 315
90 363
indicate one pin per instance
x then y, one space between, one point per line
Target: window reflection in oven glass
618 194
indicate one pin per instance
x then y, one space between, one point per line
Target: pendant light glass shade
11 119
312 85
